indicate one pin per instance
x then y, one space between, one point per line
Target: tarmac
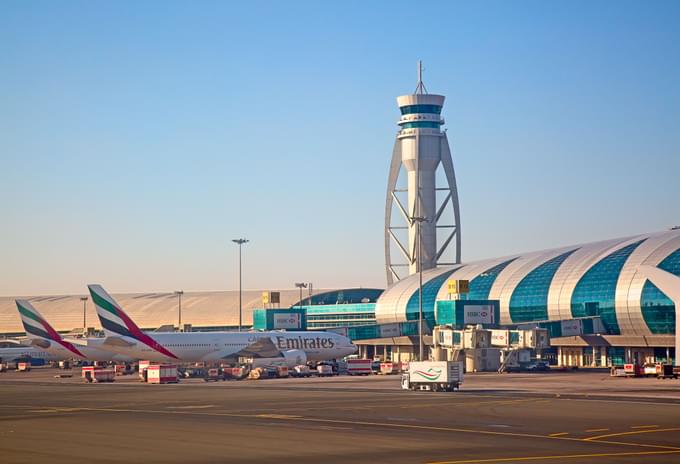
556 417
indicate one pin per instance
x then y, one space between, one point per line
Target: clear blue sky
138 138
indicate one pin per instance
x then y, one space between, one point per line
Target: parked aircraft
26 353
290 348
41 334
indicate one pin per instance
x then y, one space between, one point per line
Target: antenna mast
420 88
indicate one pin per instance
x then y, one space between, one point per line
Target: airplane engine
40 343
290 358
295 358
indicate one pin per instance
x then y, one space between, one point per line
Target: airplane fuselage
216 346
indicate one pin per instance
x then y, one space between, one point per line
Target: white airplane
26 353
289 348
42 335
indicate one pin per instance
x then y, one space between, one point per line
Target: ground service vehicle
388 368
433 376
301 371
98 374
359 366
324 370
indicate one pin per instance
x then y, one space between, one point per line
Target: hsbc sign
478 314
286 321
571 327
500 338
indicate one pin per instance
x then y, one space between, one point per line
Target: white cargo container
433 376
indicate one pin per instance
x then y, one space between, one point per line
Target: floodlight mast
240 242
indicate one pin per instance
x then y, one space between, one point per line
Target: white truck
433 376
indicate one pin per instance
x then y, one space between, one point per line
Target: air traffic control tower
420 149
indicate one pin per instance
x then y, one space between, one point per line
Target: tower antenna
420 88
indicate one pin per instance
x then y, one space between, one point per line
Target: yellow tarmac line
596 430
636 432
644 426
380 424
558 434
566 456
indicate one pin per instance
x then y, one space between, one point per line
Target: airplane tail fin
39 331
113 319
118 324
35 325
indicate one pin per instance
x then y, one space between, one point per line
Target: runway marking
566 456
200 406
558 434
635 432
389 425
596 430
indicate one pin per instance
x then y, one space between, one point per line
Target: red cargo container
162 373
98 374
359 366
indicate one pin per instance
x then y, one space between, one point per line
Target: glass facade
340 315
481 285
346 296
595 293
416 124
430 290
411 109
529 301
658 310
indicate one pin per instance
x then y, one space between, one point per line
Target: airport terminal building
602 279
596 279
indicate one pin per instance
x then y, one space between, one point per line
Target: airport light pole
300 285
240 242
179 294
84 300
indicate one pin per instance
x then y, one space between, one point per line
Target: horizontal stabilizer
118 341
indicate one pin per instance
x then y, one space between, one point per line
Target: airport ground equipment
214 374
96 374
482 359
23 366
263 373
433 376
143 365
301 371
666 371
235 373
123 369
162 373
359 367
389 368
514 360
488 349
633 370
324 370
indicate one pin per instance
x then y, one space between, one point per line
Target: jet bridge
488 349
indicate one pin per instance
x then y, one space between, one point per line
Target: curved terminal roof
601 278
148 310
